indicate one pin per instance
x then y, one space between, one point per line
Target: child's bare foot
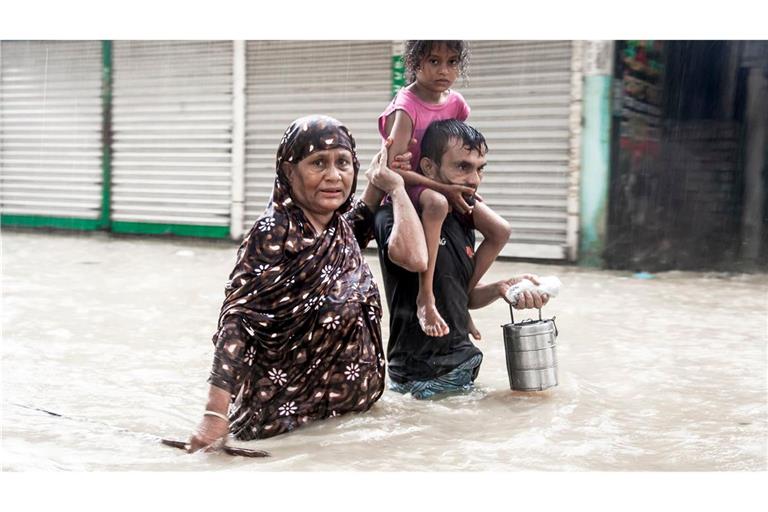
430 320
473 329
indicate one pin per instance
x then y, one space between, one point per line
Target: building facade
179 137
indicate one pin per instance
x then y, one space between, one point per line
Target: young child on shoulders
432 67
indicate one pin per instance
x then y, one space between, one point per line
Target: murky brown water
660 374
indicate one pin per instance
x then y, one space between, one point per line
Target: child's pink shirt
422 114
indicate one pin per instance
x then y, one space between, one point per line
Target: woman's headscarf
282 243
303 137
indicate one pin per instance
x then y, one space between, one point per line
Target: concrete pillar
596 150
574 152
237 208
755 150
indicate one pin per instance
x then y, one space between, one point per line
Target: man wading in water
452 153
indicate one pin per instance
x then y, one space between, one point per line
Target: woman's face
322 181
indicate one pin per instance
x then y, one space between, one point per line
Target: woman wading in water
298 336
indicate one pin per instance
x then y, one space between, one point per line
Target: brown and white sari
299 336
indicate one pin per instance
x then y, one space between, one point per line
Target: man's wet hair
435 142
415 51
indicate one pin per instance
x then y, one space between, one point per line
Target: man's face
460 166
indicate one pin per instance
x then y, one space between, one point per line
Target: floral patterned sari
299 336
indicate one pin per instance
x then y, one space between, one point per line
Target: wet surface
667 373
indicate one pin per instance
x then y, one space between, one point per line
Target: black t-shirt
413 355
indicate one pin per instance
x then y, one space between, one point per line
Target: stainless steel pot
529 347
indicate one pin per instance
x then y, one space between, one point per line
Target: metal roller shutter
172 122
348 80
50 133
520 95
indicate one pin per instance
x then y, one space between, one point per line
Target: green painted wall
398 73
595 168
106 133
40 221
146 228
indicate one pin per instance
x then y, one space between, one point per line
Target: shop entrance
687 133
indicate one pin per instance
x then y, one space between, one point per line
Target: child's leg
434 209
495 232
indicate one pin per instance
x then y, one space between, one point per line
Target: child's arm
399 127
496 231
373 194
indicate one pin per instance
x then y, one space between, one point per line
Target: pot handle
512 315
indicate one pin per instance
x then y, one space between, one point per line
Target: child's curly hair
415 51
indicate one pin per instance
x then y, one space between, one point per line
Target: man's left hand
529 299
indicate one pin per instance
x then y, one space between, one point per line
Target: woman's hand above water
210 434
213 428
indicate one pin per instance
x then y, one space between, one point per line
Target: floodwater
114 333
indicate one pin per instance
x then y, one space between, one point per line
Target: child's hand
401 162
456 197
381 176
